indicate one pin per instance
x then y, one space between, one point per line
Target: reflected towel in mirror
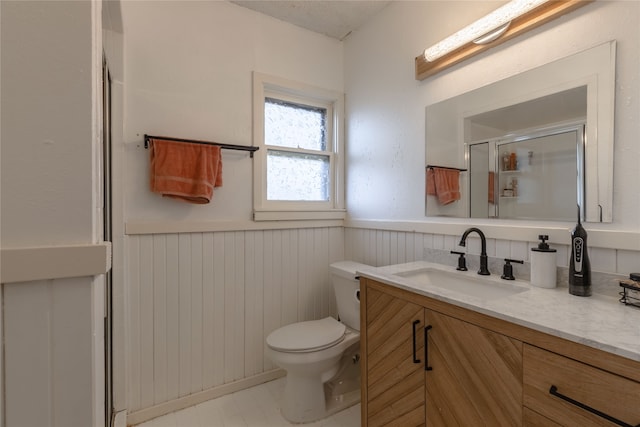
444 184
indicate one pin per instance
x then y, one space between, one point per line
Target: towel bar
193 141
445 167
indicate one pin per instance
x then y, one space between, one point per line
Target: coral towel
185 171
431 183
444 184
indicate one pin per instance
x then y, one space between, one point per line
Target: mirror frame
593 67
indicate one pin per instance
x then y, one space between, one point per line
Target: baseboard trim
119 419
147 414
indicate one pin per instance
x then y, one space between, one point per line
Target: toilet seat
309 336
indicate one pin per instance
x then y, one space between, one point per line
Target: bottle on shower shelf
513 161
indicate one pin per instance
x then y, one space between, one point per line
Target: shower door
107 237
536 176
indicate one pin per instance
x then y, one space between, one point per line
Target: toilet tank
347 291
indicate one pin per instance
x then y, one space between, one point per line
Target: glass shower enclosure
529 176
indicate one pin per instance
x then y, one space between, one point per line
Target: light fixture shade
499 17
493 35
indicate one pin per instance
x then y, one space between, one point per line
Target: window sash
322 141
318 167
277 88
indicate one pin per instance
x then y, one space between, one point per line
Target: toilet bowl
321 356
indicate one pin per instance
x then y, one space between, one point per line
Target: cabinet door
395 389
475 377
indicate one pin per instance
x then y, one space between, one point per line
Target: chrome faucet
484 270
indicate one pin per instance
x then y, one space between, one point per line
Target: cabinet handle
415 358
554 391
426 348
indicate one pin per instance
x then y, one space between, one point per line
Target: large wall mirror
533 146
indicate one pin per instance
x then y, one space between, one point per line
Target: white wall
47 124
385 126
50 187
200 294
188 74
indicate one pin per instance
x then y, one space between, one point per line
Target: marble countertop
597 321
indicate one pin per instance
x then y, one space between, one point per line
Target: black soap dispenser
579 266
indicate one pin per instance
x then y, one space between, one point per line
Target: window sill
278 215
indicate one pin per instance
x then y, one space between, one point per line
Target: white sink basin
478 287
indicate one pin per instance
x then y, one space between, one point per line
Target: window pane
297 176
296 126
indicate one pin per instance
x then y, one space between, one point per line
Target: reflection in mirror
482 181
556 119
530 176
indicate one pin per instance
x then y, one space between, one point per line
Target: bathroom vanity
501 354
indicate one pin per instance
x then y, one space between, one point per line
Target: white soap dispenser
543 264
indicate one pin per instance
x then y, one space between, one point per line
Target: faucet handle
462 262
507 270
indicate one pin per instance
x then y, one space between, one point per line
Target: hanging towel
444 184
185 171
431 183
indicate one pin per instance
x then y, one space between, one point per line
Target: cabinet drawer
604 392
533 419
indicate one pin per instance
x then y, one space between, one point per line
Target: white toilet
321 356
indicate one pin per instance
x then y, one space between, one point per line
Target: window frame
266 86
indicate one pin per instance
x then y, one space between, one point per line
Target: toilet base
340 396
322 400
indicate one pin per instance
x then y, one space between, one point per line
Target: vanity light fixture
491 35
485 29
504 23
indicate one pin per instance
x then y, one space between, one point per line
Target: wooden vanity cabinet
427 362
468 375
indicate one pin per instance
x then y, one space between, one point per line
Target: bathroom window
298 169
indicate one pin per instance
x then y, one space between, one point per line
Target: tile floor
254 407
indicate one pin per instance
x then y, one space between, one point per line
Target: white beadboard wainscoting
380 247
51 330
387 243
200 305
386 247
53 344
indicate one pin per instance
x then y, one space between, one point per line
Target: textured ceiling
333 18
